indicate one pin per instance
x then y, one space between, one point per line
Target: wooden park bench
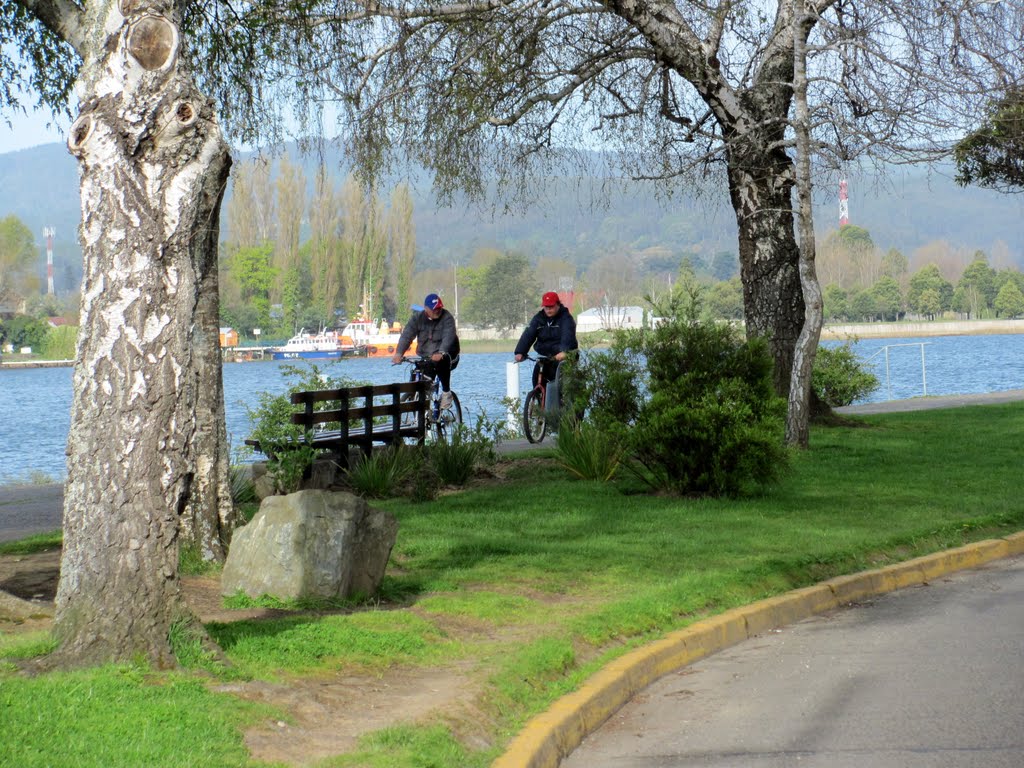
386 414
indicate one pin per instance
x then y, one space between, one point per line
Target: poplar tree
402 246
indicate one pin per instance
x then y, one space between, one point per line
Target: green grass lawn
534 582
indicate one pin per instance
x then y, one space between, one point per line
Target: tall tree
18 255
147 447
402 246
505 294
352 247
291 206
251 215
993 155
325 260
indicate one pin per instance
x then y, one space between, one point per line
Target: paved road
29 509
926 677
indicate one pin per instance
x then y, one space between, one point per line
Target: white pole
924 376
512 392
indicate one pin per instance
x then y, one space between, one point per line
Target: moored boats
374 339
323 345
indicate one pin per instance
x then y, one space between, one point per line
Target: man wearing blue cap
433 327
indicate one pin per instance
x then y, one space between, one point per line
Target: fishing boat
323 345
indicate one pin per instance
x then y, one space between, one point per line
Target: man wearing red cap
433 327
551 333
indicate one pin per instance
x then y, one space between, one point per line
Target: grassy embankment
535 582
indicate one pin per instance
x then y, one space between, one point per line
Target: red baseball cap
549 299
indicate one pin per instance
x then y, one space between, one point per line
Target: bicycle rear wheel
534 422
447 419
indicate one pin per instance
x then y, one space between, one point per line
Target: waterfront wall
916 329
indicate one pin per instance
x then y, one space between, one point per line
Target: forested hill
40 186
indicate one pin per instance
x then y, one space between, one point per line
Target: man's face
432 314
551 311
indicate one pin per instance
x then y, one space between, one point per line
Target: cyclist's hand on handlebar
519 358
560 356
436 357
396 359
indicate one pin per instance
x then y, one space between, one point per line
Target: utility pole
455 279
844 206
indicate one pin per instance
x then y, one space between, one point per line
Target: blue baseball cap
433 301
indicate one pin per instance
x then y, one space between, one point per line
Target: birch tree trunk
798 414
153 167
761 186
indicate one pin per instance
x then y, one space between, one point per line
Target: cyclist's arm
526 340
410 330
568 341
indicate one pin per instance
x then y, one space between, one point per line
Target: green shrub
840 377
693 401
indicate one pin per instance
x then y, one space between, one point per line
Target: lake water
35 403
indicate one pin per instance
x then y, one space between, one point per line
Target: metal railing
888 382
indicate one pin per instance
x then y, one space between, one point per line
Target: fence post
512 393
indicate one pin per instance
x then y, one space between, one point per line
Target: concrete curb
552 735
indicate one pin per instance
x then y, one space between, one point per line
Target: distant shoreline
835 332
917 329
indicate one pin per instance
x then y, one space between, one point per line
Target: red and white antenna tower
48 233
844 207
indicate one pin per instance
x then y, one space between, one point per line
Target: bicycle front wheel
447 419
534 423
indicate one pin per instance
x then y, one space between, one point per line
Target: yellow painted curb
552 735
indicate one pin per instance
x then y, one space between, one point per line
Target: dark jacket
549 335
431 335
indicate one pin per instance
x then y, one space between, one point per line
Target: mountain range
909 209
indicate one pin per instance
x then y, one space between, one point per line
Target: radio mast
48 233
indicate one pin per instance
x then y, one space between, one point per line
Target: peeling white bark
132 458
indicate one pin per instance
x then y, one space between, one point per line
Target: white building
611 318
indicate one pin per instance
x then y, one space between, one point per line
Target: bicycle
535 408
440 421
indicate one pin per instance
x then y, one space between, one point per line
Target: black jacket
431 335
549 336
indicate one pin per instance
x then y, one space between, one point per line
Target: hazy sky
27 131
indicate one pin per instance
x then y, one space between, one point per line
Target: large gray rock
311 544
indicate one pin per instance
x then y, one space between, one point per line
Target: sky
28 131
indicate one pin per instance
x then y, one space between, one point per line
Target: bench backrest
358 404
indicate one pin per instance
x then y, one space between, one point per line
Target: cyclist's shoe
446 399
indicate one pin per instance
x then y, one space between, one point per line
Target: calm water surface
35 403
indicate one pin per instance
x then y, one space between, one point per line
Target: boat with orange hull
374 339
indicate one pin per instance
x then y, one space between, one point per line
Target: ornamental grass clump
456 459
378 475
587 452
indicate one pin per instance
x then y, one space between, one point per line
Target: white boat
314 346
374 339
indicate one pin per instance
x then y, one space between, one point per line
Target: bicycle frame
439 419
535 405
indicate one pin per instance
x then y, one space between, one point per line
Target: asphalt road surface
29 509
926 677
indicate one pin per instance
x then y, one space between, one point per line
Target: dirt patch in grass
325 715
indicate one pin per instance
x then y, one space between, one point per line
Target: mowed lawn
533 580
